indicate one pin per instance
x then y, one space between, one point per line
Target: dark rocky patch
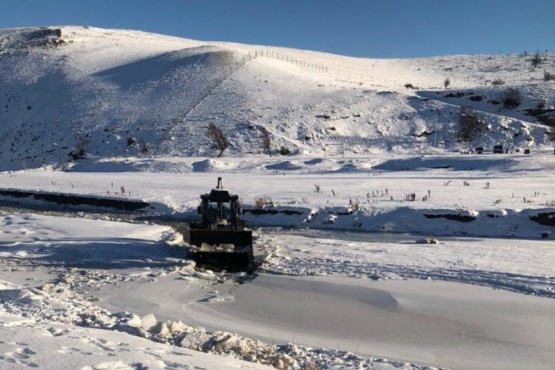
457 95
544 218
74 199
535 112
258 212
453 217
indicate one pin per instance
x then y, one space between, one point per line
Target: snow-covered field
380 243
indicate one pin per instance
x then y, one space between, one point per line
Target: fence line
359 77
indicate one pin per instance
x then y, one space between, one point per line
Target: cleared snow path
427 322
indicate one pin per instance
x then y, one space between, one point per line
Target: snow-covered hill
119 93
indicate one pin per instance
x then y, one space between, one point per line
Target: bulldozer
220 241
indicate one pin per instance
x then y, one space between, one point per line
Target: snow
350 289
348 276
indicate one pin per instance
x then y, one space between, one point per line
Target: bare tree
218 138
470 124
80 142
265 140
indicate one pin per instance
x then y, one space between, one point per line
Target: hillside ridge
124 93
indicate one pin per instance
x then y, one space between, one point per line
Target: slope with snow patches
101 93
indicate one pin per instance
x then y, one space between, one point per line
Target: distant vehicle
498 149
479 150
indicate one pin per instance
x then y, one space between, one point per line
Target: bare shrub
354 205
217 138
498 82
262 202
259 202
143 146
409 86
447 83
512 98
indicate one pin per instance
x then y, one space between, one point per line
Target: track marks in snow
290 255
533 285
21 356
116 365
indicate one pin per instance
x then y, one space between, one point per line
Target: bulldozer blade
198 236
225 261
219 250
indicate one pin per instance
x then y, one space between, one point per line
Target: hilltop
75 92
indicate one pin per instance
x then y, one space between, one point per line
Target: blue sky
362 28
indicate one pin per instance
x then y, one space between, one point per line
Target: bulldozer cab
220 210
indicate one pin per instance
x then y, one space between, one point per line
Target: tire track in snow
525 284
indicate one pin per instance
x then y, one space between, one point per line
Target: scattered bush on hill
498 82
547 76
536 59
447 82
511 99
284 151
